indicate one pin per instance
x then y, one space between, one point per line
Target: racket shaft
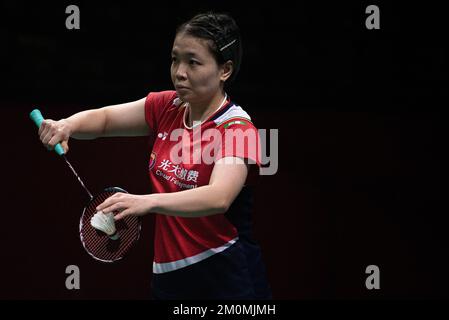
78 177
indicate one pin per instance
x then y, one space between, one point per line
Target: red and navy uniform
202 257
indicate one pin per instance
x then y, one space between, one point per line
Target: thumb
122 214
65 146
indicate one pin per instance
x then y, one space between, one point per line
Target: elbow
222 205
222 200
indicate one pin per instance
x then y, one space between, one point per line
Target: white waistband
178 264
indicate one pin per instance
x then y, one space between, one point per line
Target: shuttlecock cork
105 223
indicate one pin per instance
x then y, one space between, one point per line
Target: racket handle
37 118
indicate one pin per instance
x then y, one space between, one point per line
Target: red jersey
183 241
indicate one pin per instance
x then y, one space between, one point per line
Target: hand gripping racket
102 246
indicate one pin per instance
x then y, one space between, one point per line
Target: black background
362 126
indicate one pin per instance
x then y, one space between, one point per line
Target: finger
65 146
42 127
47 137
104 204
122 214
43 130
115 207
109 201
54 141
45 126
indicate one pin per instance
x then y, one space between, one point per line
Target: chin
184 96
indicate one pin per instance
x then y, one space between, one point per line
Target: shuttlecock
105 223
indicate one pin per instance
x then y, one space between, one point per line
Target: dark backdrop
362 126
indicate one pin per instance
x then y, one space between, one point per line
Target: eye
193 62
174 59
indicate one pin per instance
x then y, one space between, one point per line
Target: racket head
98 244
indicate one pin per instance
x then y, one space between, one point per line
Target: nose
180 72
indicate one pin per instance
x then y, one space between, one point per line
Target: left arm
225 184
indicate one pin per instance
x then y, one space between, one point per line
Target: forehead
187 44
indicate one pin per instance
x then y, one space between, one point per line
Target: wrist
154 202
69 125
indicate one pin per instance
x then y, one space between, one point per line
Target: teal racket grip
37 118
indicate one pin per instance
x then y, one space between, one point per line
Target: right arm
127 119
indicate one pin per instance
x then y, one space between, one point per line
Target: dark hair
225 35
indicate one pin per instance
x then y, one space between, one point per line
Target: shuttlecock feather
105 223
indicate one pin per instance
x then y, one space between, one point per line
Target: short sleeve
240 139
155 104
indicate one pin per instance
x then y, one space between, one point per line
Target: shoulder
159 105
160 99
233 115
162 102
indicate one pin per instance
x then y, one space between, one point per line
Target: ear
226 70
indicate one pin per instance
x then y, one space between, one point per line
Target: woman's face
194 71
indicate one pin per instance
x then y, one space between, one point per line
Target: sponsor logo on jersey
177 174
163 136
152 160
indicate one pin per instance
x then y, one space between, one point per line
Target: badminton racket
109 240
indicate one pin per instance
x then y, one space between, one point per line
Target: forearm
198 202
89 124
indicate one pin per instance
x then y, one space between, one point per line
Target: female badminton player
204 248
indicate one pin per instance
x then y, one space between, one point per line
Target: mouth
181 88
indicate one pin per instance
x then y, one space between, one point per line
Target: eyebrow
188 53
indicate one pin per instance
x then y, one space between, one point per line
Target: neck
200 111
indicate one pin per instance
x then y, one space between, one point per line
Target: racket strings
98 244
